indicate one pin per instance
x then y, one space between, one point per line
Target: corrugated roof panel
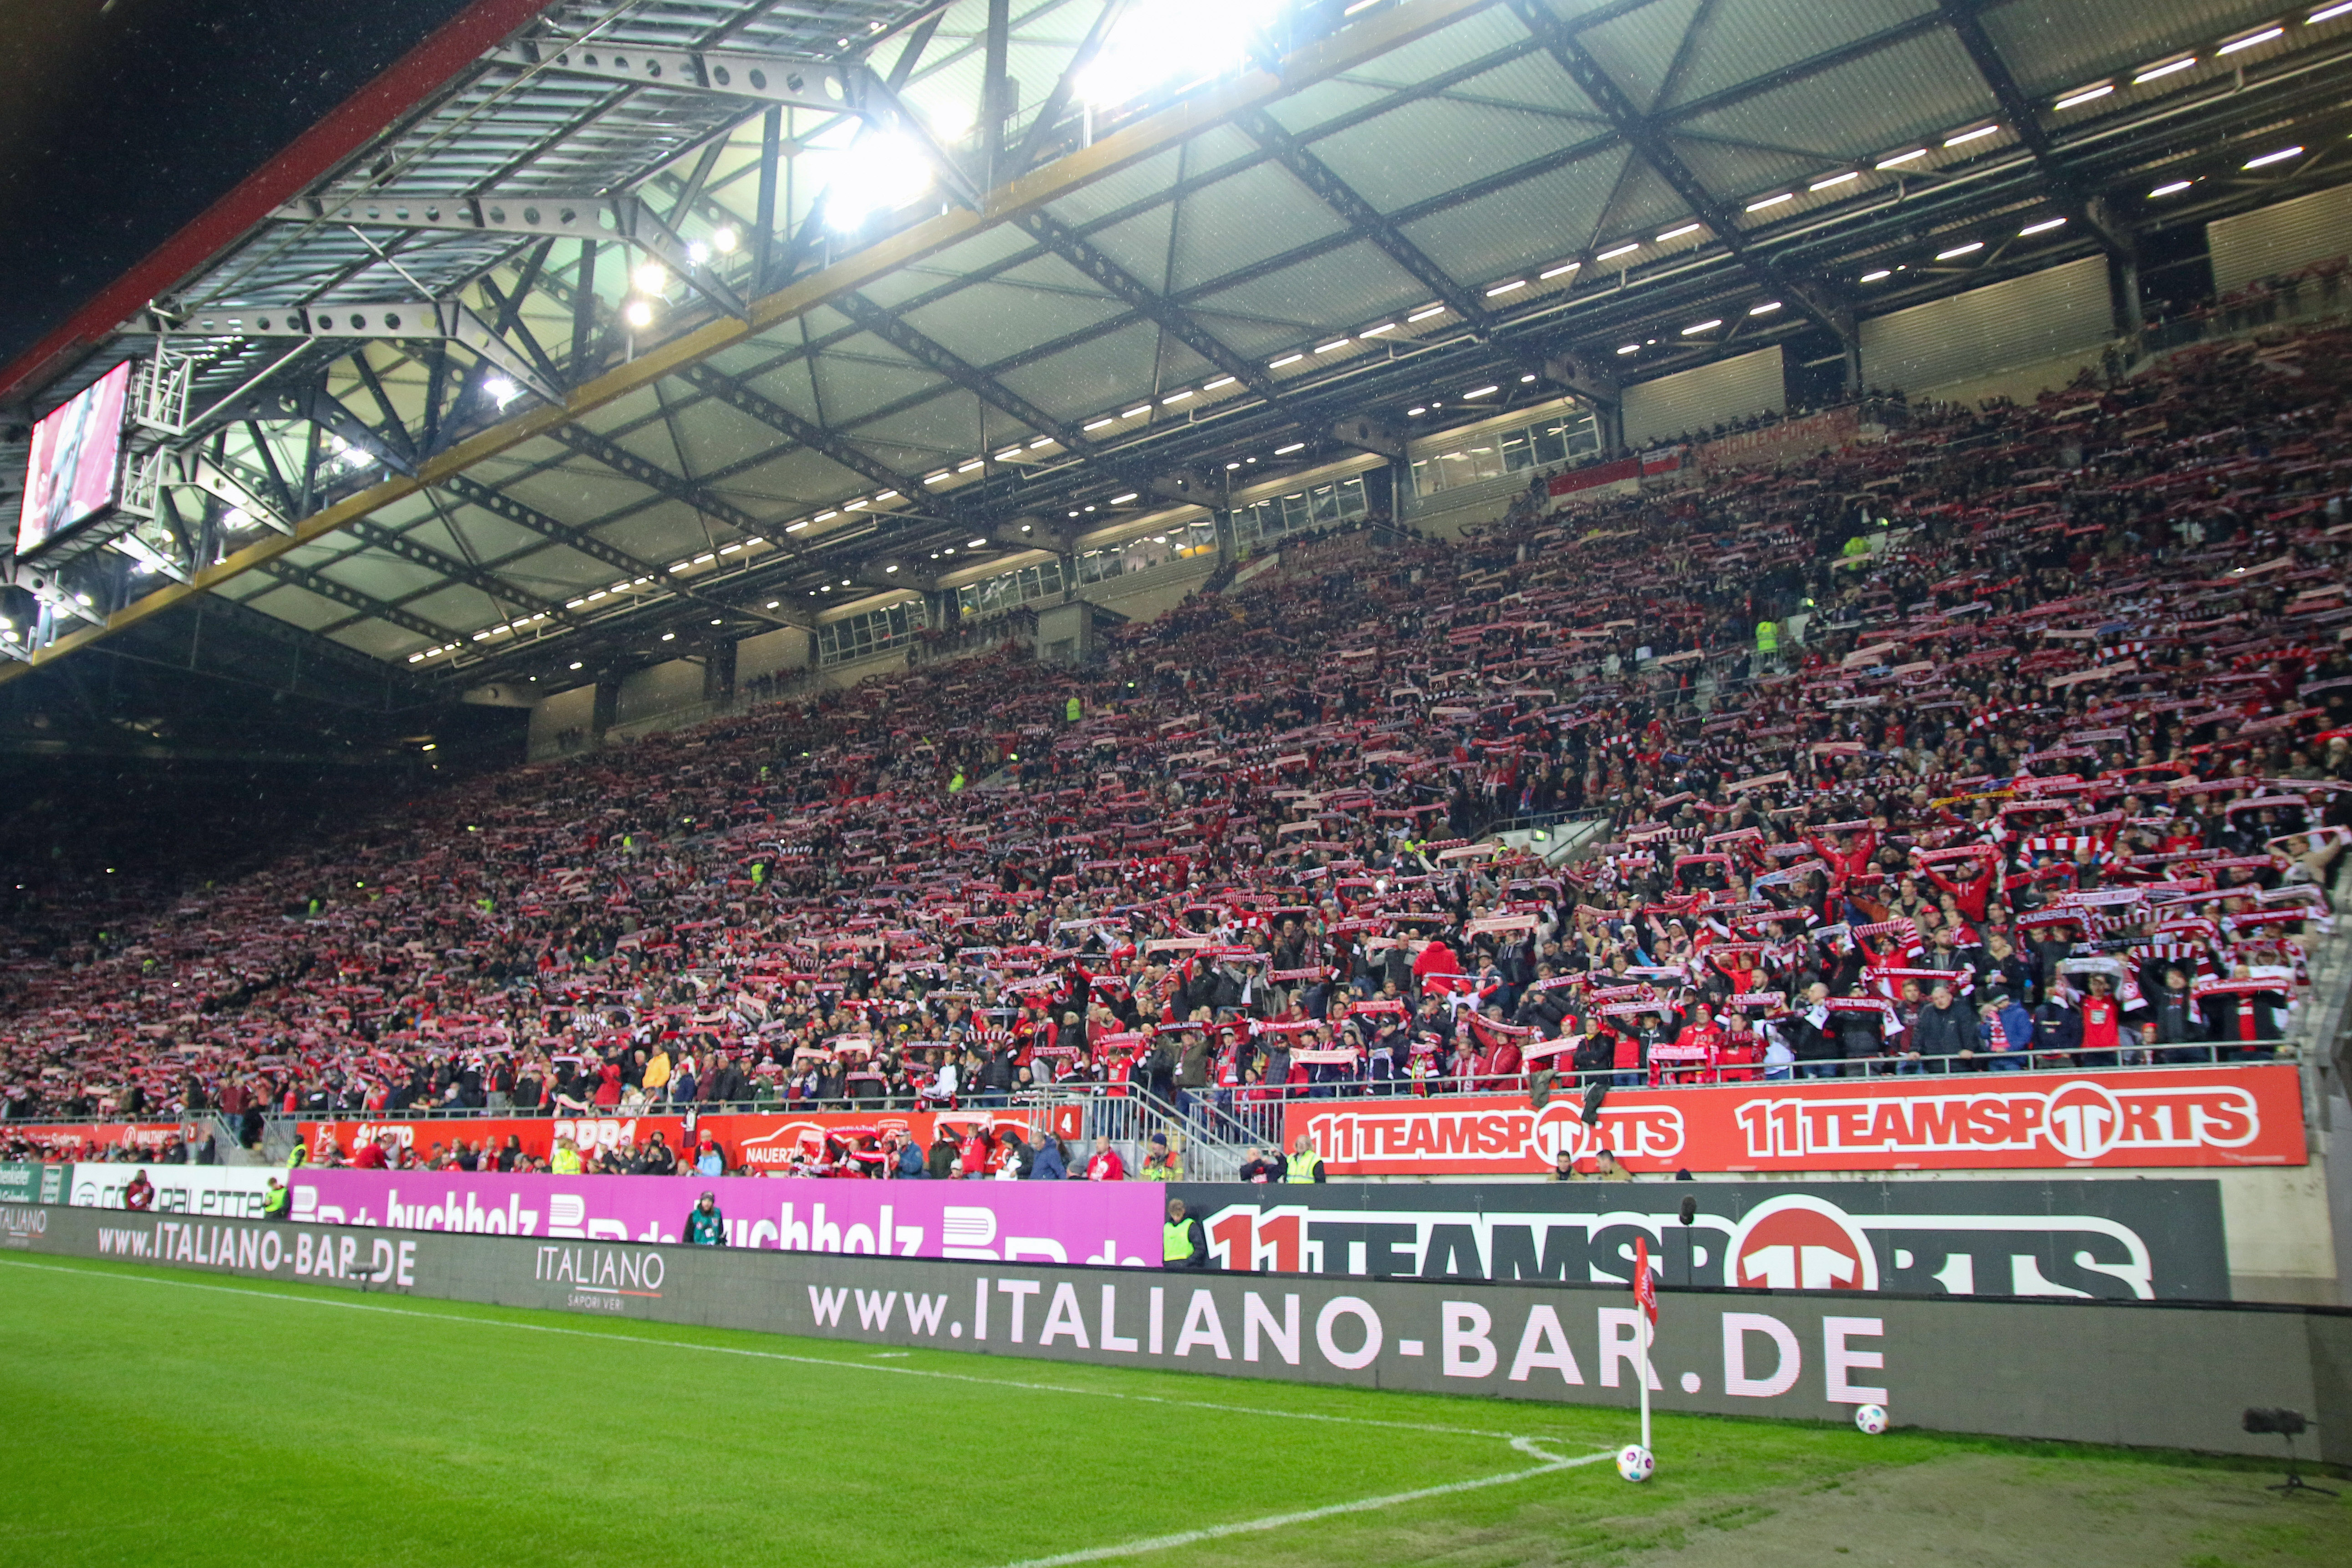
1538 220
1247 218
2052 49
716 436
1640 207
1082 381
1739 173
558 571
1337 292
1451 145
1477 36
850 384
791 481
925 437
385 577
485 536
1534 82
1747 41
1139 244
985 322
458 607
1917 90
300 606
576 490
1114 192
381 640
1636 48
1327 100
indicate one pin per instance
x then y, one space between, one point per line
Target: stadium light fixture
1425 313
2044 226
724 240
1178 42
2082 96
1174 397
1529 379
1104 423
1697 327
1970 248
669 637
1122 501
1481 391
888 570
795 527
1830 181
1416 412
501 390
1512 287
1217 385
1334 347
1761 203
2162 68
2248 41
638 312
1631 348
2171 188
880 172
1896 160
650 277
1294 446
1368 332
1766 308
1563 270
1614 251
1680 231
969 544
1880 274
2267 159
968 468
1978 133
1286 359
2328 13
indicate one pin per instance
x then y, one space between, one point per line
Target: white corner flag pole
1643 1330
1644 1325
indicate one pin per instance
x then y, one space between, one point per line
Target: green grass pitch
153 1417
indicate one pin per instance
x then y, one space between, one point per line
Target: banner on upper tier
2124 1240
2184 1117
1114 1222
765 1141
70 1138
2096 1372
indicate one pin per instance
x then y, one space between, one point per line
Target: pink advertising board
1045 1222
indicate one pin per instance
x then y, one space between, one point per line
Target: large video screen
77 450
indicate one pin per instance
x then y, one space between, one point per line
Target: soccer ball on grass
1870 1419
1636 1463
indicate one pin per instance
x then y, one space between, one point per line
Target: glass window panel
1486 461
1516 456
1552 444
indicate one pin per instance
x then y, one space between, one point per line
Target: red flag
1645 1288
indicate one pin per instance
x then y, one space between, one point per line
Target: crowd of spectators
2016 736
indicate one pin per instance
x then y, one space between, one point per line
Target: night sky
122 119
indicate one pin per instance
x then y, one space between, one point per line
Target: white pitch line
786 1356
1307 1516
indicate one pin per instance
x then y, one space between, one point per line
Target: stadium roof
667 315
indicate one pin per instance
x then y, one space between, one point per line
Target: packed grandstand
2007 736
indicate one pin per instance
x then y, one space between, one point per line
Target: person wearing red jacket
1971 888
1741 1051
1702 1033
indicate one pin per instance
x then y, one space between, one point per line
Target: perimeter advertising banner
222 1191
765 1141
2140 1240
2105 1372
2188 1117
1114 1222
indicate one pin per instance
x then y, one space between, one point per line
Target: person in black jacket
1945 1033
1812 1033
